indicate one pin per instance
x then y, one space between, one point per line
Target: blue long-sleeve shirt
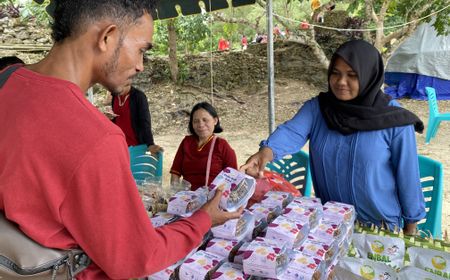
376 171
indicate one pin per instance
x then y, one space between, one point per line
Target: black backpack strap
5 74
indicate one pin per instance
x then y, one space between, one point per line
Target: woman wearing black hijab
362 145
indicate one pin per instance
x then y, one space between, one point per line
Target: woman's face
344 81
203 123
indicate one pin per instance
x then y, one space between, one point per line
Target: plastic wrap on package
356 268
305 267
287 230
200 266
275 198
236 229
185 203
298 212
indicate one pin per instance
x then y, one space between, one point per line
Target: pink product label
220 247
288 231
198 265
261 259
229 271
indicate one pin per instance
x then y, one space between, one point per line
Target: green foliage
33 10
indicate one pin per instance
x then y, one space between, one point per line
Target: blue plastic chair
137 151
435 117
295 169
431 179
144 165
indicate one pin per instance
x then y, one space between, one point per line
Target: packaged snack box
389 250
287 230
230 271
330 230
264 258
199 266
433 261
239 256
171 272
304 267
263 212
419 274
274 199
222 247
337 211
185 203
355 268
238 188
163 218
298 212
236 229
313 202
326 250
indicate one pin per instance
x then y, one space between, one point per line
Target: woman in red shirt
191 158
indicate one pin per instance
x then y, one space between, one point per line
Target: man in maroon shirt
64 167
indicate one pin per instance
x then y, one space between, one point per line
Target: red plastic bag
278 183
262 187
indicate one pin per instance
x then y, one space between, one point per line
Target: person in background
133 117
362 144
65 176
223 44
9 60
191 159
244 42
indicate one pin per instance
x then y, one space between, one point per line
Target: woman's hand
154 149
217 215
256 163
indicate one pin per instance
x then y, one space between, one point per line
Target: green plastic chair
295 169
435 117
144 165
431 179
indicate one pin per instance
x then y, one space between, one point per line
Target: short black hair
211 110
71 17
9 60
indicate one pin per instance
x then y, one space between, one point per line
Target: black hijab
370 110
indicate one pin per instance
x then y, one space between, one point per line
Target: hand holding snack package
434 261
200 266
236 229
265 258
305 267
185 203
354 268
237 188
291 232
386 249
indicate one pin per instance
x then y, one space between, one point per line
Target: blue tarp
413 86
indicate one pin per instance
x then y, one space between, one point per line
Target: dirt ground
244 117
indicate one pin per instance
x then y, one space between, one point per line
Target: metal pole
270 67
90 93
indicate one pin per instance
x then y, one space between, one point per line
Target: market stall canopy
168 8
422 60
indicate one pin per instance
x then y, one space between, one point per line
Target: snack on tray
222 247
304 267
230 271
287 230
236 229
238 188
262 212
185 203
280 199
163 218
350 268
386 249
419 274
199 266
330 230
298 212
326 250
434 261
337 211
265 258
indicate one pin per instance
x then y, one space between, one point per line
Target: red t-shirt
190 161
244 41
65 180
124 119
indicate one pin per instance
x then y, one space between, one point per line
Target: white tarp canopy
423 53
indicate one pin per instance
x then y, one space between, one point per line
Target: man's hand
410 229
217 215
256 163
154 149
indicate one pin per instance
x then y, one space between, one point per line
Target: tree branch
220 17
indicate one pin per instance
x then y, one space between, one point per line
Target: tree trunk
173 61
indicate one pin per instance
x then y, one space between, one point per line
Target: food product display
163 218
223 247
338 211
185 203
419 274
262 212
326 250
303 266
302 213
364 268
230 271
200 266
236 229
434 261
237 188
289 231
274 199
